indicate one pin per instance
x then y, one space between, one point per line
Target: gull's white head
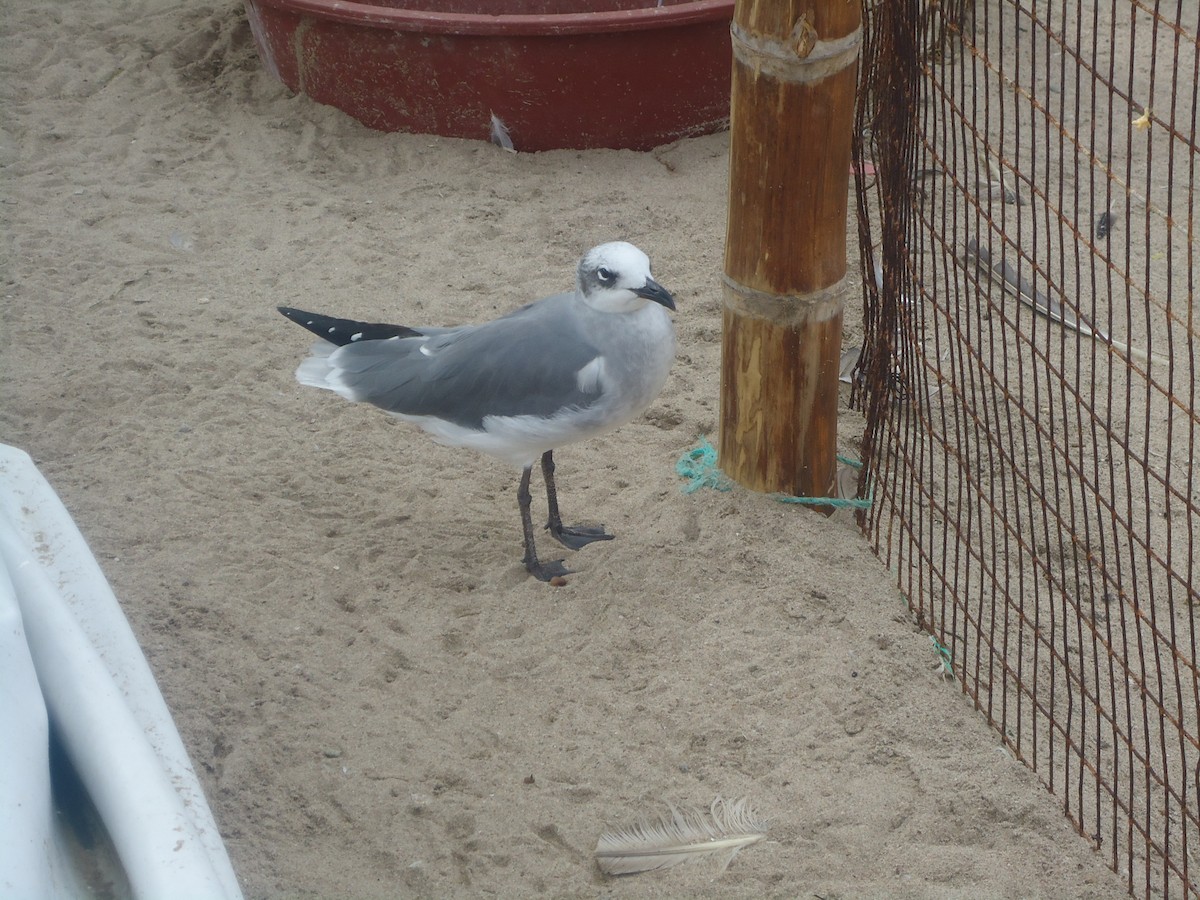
615 278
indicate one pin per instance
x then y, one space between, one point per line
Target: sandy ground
378 700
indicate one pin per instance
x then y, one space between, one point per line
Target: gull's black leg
571 536
541 571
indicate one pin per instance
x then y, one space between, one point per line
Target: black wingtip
344 331
299 316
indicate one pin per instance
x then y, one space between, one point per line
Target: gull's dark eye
606 276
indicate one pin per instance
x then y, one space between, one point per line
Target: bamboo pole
792 114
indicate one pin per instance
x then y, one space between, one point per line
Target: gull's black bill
652 290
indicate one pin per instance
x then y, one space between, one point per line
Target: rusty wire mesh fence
1027 196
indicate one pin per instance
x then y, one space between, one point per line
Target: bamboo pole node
790 310
801 57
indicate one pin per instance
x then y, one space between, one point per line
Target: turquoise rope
699 467
944 656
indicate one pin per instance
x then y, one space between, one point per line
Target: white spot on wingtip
356 336
331 331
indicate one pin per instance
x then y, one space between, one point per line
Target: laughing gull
562 369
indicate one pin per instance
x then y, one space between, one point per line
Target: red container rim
429 21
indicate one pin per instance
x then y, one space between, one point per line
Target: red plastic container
558 73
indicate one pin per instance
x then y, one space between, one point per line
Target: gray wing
525 363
